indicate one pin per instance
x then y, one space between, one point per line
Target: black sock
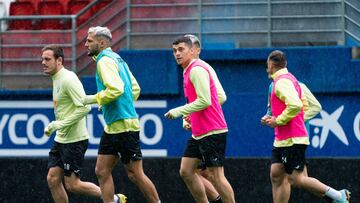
217 200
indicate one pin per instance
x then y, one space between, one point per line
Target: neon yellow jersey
68 108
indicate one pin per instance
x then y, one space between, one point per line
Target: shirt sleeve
219 88
268 112
135 86
75 91
313 106
286 92
109 75
201 81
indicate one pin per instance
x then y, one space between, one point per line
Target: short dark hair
58 51
183 39
278 58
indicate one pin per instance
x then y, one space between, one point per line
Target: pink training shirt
210 118
295 127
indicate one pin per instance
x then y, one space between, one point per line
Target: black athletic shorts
126 145
292 157
68 156
210 149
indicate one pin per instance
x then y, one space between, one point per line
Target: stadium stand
75 6
50 8
19 8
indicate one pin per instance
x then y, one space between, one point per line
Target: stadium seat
50 8
21 8
75 6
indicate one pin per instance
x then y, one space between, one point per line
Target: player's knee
71 186
132 176
276 177
52 180
101 172
295 181
185 173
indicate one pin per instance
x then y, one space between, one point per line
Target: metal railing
263 23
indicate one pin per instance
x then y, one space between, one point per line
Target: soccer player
208 125
211 193
71 141
291 137
311 108
117 91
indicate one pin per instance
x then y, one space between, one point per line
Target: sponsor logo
328 123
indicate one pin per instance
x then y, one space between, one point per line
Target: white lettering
3 121
30 129
12 129
357 126
158 129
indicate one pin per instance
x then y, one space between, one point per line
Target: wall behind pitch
24 180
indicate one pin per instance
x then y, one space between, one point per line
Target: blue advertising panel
335 132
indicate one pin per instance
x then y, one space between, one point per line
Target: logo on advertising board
338 130
22 124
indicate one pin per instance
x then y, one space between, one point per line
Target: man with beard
117 91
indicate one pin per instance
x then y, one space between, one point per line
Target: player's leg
54 179
188 172
281 188
106 161
131 157
299 178
210 190
104 166
55 174
73 158
212 149
136 174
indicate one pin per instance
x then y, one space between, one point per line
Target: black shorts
68 156
210 149
292 157
126 145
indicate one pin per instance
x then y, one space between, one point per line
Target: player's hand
187 119
271 121
168 115
264 118
186 123
89 99
52 127
99 108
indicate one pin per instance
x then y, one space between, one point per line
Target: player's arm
313 105
286 92
219 89
135 86
109 75
201 82
75 91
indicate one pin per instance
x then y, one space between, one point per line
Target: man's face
49 63
92 44
269 68
183 54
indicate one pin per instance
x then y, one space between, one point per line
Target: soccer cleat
345 196
121 198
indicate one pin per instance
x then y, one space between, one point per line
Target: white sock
333 194
115 198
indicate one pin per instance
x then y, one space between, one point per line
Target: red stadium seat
75 6
21 8
50 8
